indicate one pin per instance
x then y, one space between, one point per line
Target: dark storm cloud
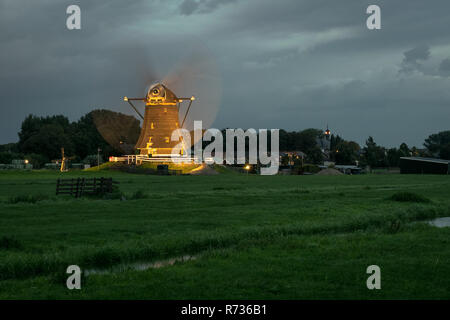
444 67
413 58
290 64
188 7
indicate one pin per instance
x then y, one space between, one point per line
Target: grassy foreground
290 237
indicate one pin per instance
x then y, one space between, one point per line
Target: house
292 155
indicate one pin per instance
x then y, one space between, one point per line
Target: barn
424 165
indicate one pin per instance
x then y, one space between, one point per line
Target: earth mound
329 172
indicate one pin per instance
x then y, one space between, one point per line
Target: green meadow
241 236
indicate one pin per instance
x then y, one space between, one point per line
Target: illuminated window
165 109
152 126
167 139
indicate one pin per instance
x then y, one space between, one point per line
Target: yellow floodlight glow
192 98
26 161
247 167
125 98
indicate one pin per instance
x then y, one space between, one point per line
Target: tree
7 157
110 131
404 150
314 155
393 157
345 152
305 141
374 155
45 136
9 147
438 145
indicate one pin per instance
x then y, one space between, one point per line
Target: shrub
409 197
9 243
139 194
115 195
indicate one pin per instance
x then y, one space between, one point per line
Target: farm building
424 165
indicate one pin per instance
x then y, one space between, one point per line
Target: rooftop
426 159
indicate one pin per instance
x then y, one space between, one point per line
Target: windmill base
162 158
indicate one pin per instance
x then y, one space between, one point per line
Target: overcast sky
290 64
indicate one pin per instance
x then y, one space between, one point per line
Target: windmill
160 119
166 104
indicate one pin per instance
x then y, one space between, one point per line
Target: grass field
251 237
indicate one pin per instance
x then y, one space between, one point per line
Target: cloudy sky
290 64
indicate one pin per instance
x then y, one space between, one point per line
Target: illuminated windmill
161 118
164 110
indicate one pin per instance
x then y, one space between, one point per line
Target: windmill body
159 123
161 118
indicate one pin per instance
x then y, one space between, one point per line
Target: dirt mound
204 170
329 172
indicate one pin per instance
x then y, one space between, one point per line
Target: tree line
41 140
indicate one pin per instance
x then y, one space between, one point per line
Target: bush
139 194
115 195
409 197
9 243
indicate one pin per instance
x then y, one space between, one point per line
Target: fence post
83 181
77 186
102 183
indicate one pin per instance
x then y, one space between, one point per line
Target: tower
327 133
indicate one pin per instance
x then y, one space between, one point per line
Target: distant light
125 98
26 161
247 167
192 98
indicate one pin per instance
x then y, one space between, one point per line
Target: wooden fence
82 186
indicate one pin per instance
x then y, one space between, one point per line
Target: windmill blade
134 69
132 73
119 130
197 75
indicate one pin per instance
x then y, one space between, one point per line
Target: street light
98 157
